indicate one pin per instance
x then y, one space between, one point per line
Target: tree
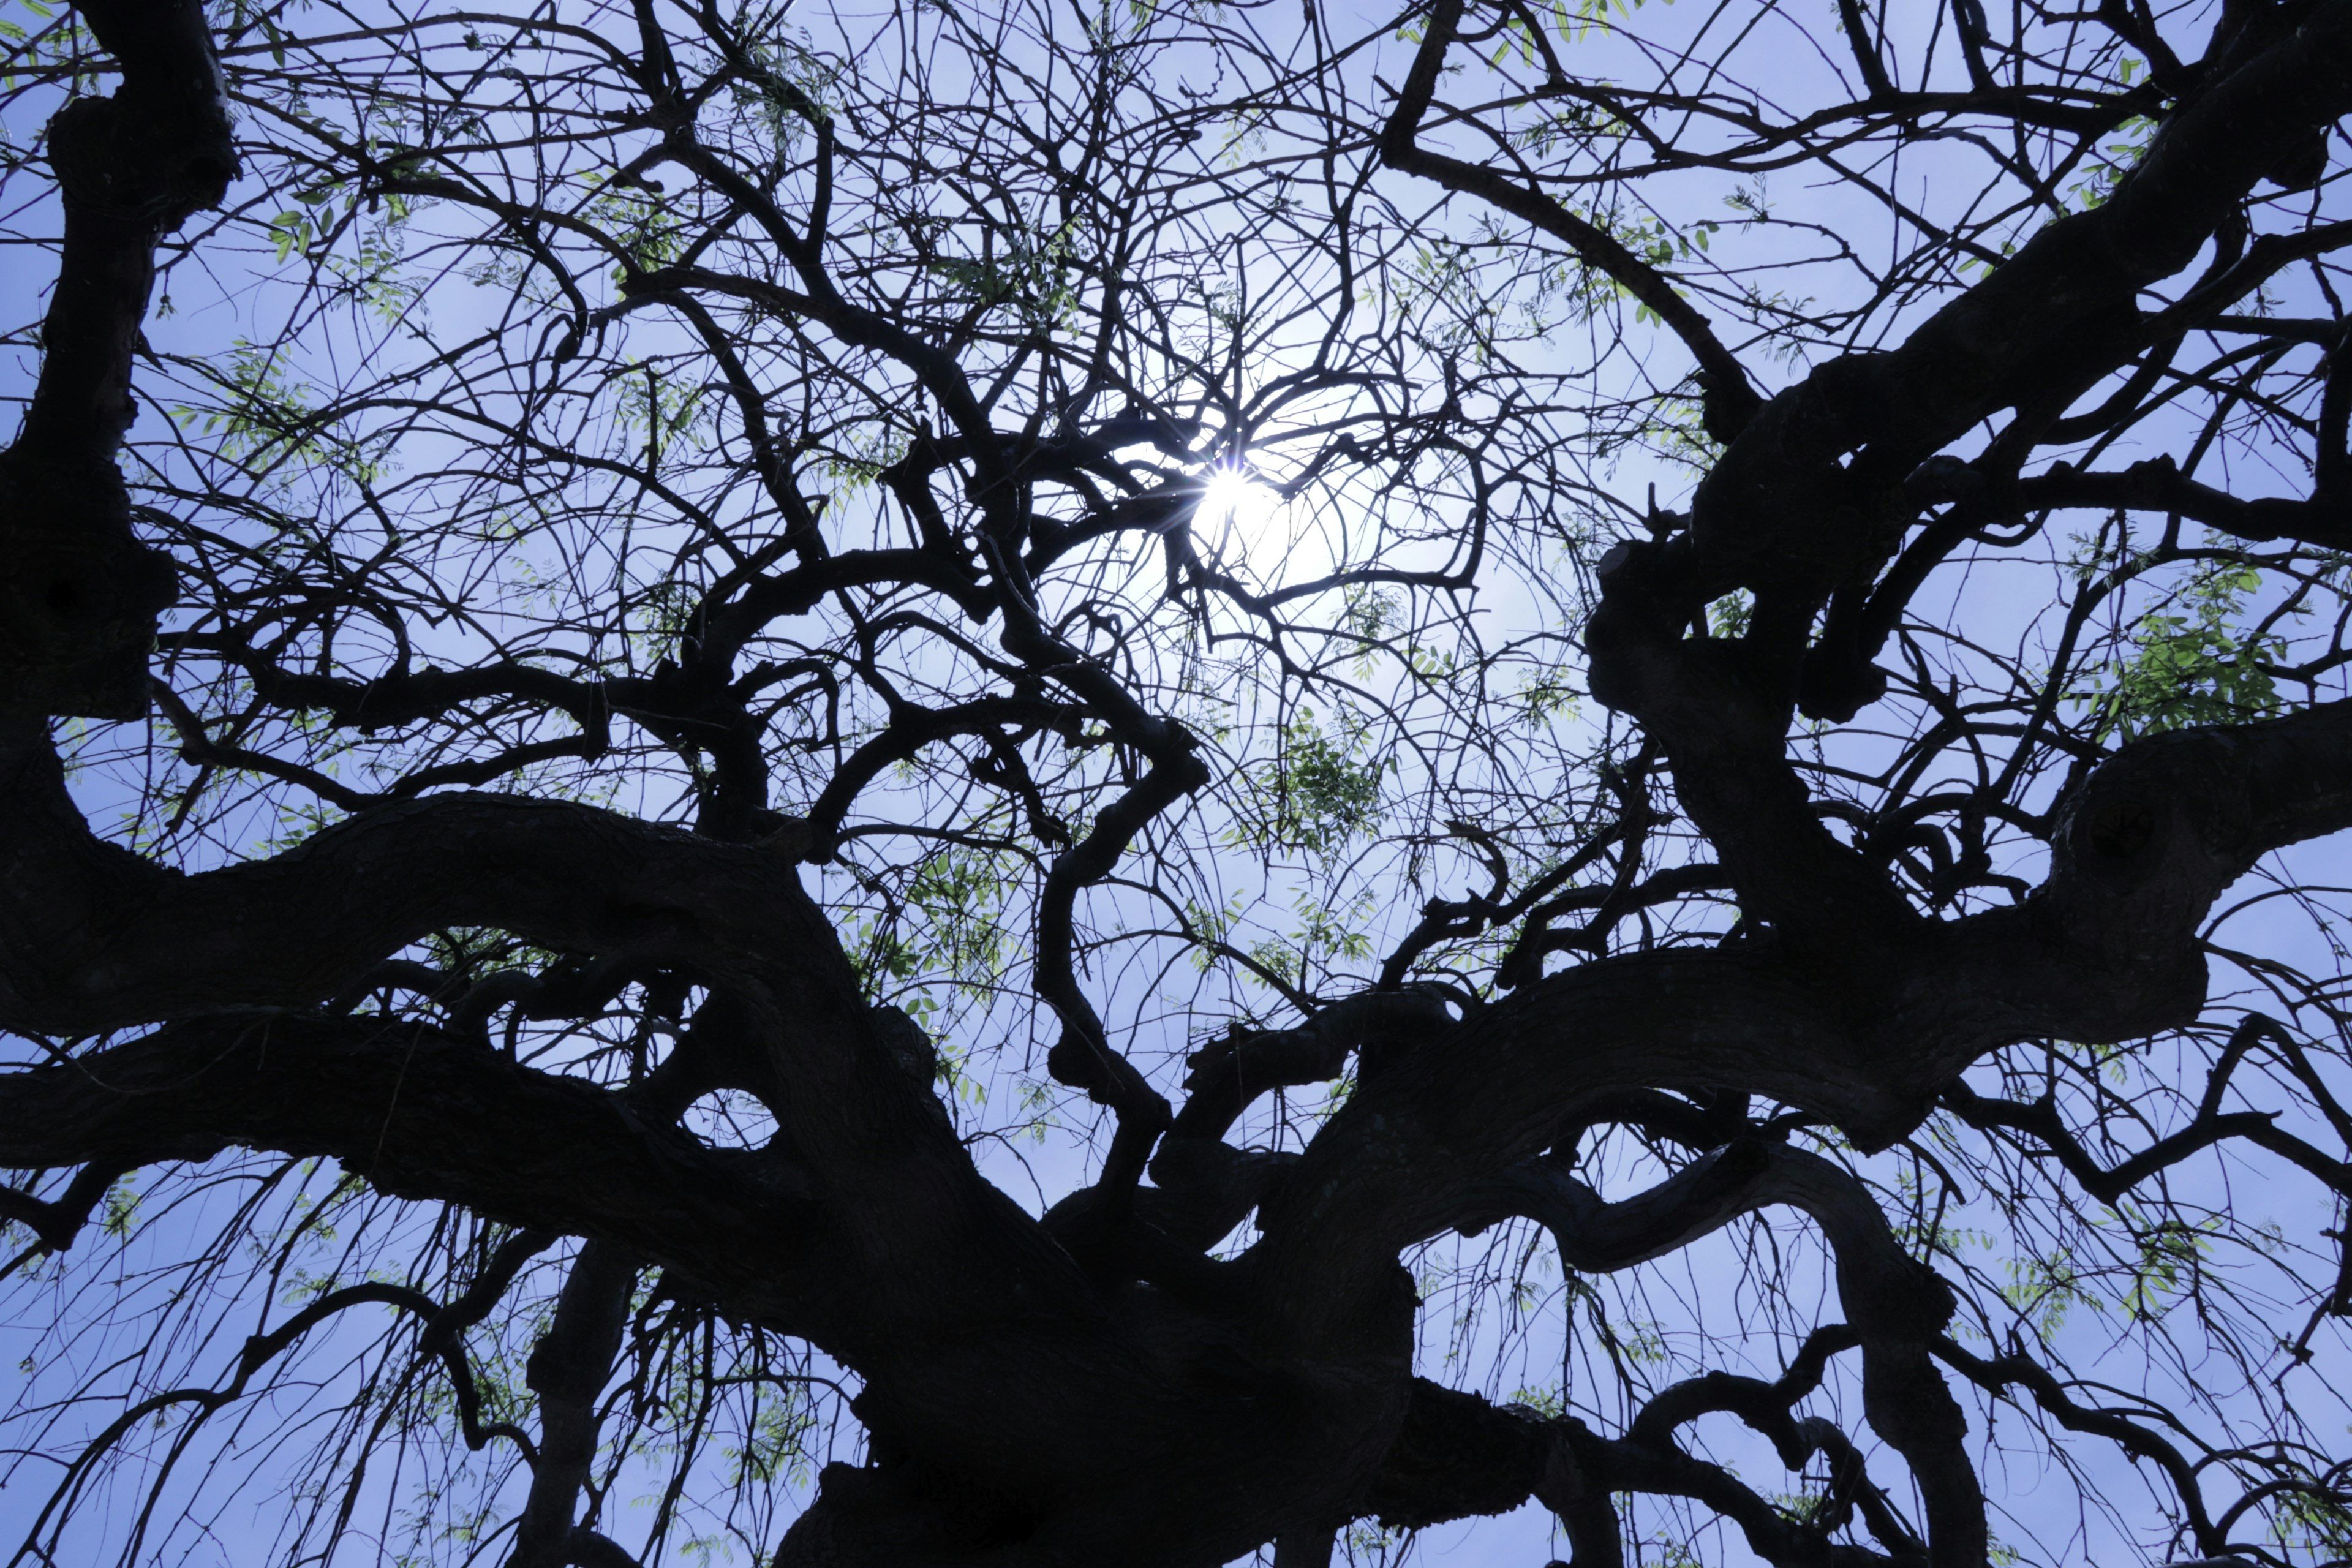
838 771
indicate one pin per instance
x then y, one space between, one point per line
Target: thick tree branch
78 602
1457 1456
2105 950
421 1114
1227 1075
1782 515
2158 485
92 938
568 1369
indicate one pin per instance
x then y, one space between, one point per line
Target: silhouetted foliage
1001 784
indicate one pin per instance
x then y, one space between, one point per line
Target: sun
1234 497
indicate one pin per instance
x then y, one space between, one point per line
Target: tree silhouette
1002 785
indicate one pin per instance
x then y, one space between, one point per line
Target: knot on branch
80 597
1226 1074
144 159
1205 1187
1075 1063
1456 1456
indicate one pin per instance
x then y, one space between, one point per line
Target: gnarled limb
2105 951
79 600
1896 1305
421 1113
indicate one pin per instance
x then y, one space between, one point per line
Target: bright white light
1234 499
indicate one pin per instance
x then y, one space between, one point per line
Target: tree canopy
995 783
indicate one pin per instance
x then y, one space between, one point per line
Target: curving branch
79 603
1731 397
421 1113
1896 1305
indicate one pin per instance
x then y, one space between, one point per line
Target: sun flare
1236 500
